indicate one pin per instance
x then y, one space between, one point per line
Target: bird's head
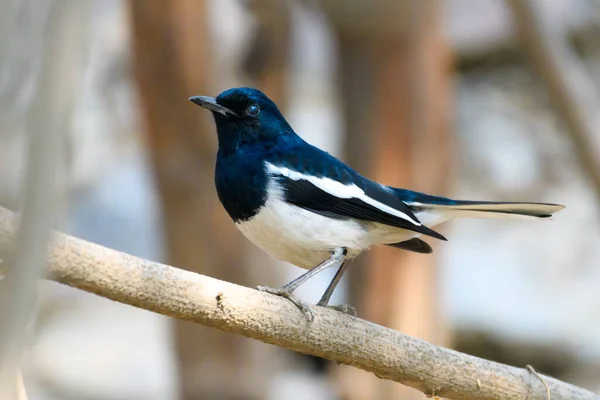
245 117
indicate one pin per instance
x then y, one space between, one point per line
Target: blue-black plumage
306 207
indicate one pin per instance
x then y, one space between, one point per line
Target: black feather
414 244
303 193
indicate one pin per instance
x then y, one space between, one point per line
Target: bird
304 206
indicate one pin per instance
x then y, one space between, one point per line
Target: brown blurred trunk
266 61
172 62
396 86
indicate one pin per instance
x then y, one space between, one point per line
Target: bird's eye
253 110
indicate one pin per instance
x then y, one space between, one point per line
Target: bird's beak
210 103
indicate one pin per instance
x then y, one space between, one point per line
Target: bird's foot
343 308
283 292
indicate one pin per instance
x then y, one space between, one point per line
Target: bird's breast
298 236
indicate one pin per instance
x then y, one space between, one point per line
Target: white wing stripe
338 189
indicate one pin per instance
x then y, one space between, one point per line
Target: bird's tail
488 209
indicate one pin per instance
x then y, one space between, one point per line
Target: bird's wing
348 196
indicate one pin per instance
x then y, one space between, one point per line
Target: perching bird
304 206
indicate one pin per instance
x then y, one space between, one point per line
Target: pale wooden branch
571 89
166 290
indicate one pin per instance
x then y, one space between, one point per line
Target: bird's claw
304 307
343 308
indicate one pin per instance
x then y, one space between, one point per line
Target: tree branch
434 370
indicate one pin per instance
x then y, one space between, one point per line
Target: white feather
338 189
305 238
299 236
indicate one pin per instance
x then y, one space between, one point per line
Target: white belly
302 237
305 238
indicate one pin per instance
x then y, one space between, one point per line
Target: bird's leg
287 290
324 302
332 285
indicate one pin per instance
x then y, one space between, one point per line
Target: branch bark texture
434 370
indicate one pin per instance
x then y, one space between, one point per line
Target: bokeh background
474 99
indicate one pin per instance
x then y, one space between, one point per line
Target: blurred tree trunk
395 81
171 63
266 61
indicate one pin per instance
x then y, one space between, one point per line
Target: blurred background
474 99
